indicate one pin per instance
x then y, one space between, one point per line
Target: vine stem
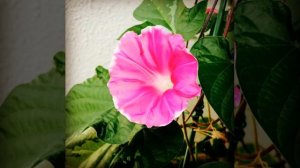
229 18
192 111
208 111
186 137
207 19
262 153
219 17
255 134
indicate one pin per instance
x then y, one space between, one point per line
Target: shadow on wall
31 105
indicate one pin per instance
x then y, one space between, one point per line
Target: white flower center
163 82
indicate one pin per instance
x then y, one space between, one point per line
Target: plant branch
253 156
208 111
186 137
192 111
187 44
255 134
229 18
207 19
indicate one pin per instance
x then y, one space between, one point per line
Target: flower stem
219 18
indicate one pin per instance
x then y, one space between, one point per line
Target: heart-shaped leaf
90 105
216 75
268 70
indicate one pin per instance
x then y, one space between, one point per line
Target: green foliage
216 75
153 147
90 154
268 70
137 28
75 156
90 105
32 119
174 15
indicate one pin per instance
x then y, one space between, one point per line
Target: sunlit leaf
90 105
174 15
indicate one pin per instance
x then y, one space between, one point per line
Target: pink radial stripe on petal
152 76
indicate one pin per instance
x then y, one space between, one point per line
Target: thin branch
208 111
186 137
253 156
187 44
205 124
255 134
229 18
192 111
207 19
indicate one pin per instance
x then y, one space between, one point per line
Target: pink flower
153 76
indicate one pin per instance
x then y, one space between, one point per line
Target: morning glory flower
152 76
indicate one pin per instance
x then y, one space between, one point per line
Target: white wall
92 29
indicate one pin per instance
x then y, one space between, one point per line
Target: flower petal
184 74
168 107
156 48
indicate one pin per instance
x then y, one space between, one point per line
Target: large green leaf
90 105
32 119
268 70
153 147
174 15
216 75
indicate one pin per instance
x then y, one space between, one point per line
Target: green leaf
32 121
153 147
216 165
91 154
174 15
216 75
268 70
75 156
137 28
90 105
